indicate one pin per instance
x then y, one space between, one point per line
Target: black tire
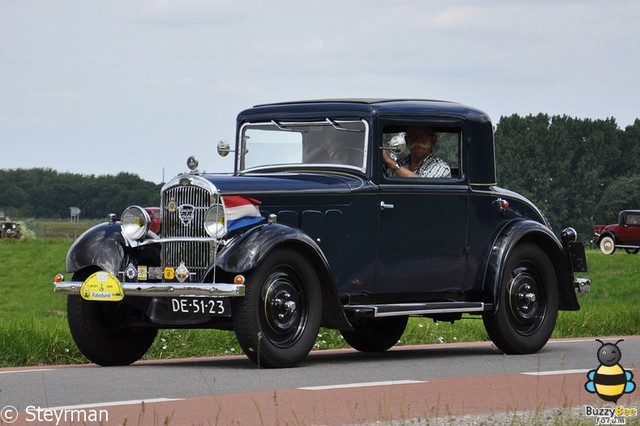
100 331
375 334
527 305
632 250
97 328
277 321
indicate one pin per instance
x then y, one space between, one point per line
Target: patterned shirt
430 167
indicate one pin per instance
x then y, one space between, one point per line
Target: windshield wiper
285 129
339 127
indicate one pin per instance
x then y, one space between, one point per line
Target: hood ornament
192 163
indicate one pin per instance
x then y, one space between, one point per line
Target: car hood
286 182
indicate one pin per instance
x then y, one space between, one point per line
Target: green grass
33 328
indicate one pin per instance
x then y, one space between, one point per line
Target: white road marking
361 385
112 404
551 373
27 371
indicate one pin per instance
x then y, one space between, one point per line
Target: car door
422 238
423 227
629 230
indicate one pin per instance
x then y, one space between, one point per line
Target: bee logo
609 381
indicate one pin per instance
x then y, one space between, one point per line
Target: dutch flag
241 211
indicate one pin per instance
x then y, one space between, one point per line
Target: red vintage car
154 214
624 234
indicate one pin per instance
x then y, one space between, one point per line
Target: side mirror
223 148
397 144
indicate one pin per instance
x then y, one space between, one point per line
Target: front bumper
162 289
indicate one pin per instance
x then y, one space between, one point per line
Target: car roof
362 107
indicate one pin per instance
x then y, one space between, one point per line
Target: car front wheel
101 331
607 245
277 321
527 305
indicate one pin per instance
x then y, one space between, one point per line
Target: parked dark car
310 230
10 230
624 234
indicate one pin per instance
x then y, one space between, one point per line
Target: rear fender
527 230
246 251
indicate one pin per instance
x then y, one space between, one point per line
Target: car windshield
329 143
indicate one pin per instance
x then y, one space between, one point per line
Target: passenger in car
421 162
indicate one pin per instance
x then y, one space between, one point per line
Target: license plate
220 307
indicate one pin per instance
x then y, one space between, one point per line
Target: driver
421 162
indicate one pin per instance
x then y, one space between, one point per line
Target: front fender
527 230
101 246
605 234
246 251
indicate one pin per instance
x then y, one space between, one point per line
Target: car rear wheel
375 334
277 321
632 250
607 245
527 305
101 331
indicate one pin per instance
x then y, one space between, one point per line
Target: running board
400 309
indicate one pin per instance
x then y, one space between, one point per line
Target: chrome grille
183 213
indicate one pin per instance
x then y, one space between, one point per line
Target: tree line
48 194
579 172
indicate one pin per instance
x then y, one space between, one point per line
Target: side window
633 220
429 151
448 149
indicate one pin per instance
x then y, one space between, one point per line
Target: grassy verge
33 327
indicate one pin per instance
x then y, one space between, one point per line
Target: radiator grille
183 213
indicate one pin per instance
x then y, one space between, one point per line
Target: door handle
384 205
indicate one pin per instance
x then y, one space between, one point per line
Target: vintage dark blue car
324 223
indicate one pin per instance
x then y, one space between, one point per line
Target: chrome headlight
214 221
135 222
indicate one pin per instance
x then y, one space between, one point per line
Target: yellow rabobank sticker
102 286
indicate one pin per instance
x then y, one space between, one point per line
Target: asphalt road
330 387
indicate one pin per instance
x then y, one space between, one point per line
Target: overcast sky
99 87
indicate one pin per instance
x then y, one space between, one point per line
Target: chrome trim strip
192 179
426 311
163 289
627 246
464 308
241 142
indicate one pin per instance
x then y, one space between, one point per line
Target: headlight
214 221
135 222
